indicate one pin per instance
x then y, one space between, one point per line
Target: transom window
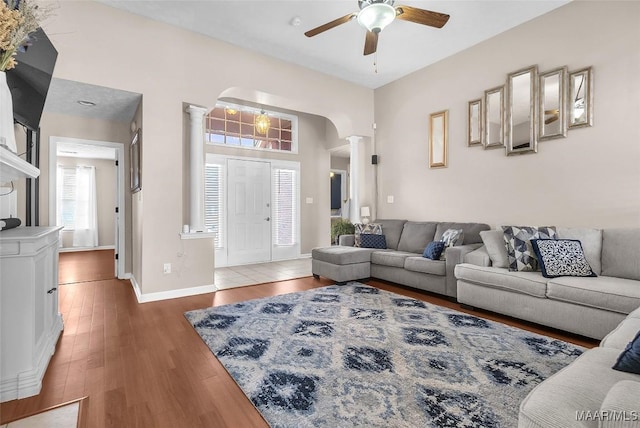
239 126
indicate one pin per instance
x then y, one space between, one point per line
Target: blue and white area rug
354 355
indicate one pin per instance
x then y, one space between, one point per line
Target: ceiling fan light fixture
376 16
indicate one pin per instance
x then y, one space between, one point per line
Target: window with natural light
284 210
214 198
284 200
250 128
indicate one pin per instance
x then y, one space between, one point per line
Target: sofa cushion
629 359
591 240
624 333
416 235
580 387
521 256
561 257
434 250
621 253
622 401
424 265
390 258
392 229
496 247
339 255
635 314
531 283
471 231
604 292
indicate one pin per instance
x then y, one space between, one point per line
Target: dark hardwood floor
142 365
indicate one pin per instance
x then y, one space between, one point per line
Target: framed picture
438 139
134 159
474 135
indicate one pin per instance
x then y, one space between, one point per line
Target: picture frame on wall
438 139
134 160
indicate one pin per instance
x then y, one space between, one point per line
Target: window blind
285 205
214 208
67 198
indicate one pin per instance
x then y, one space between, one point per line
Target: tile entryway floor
239 276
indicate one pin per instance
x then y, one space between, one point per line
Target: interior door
249 212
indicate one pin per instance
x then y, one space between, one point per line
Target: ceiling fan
375 15
554 115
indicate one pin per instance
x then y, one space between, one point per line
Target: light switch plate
390 199
309 200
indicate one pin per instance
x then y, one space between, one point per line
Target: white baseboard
171 294
74 249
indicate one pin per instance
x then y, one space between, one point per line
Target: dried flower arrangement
18 19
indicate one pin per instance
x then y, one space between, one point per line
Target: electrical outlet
390 199
167 268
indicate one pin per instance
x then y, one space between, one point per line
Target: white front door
249 212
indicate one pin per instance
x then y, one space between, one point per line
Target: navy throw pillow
434 250
629 360
371 240
561 257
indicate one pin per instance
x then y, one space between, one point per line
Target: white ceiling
267 26
109 104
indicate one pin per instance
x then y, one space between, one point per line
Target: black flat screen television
29 81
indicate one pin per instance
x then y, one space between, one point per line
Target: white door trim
120 191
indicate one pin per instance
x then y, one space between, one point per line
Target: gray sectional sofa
402 261
588 392
589 306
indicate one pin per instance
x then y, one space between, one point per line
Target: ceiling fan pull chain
375 62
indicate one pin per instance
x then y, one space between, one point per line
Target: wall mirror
580 98
438 139
493 118
552 121
474 135
522 104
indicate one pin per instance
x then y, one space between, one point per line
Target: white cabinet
30 322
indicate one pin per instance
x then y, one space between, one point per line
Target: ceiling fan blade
370 43
421 16
551 119
330 25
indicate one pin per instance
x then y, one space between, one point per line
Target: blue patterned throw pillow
371 240
434 250
519 249
561 257
629 360
371 228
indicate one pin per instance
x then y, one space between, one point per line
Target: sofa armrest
621 400
453 256
347 240
478 257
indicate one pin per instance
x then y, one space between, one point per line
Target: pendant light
262 123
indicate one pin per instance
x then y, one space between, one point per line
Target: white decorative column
354 177
196 169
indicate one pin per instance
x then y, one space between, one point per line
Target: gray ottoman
341 263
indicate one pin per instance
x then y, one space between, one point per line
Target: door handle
268 218
52 290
